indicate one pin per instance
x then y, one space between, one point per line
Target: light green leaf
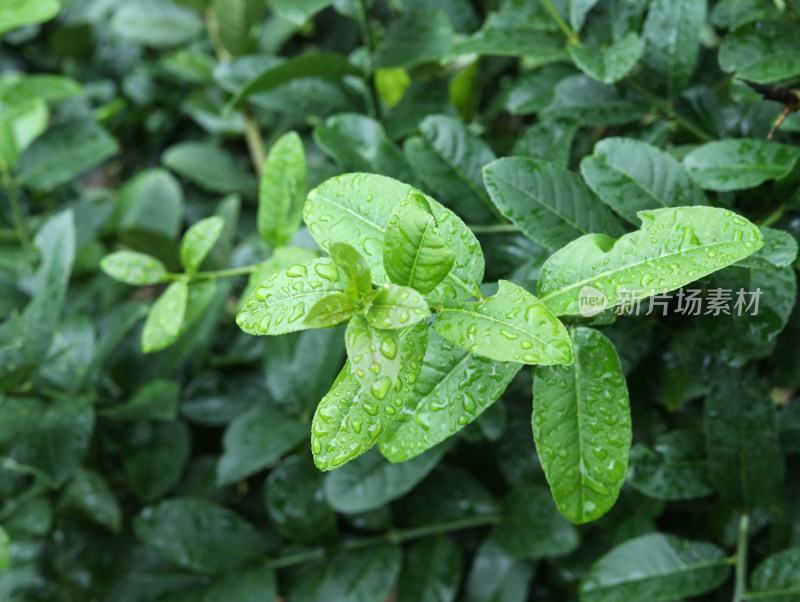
655 567
414 253
350 261
209 166
630 175
369 482
776 579
165 319
740 163
674 247
282 190
157 23
448 158
330 311
134 268
431 571
282 258
550 204
419 36
63 152
17 13
779 251
349 419
298 11
582 427
396 307
530 526
5 553
238 23
357 208
278 304
510 326
199 240
671 37
453 389
607 64
582 99
762 51
373 355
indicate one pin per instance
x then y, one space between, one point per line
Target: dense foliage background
186 474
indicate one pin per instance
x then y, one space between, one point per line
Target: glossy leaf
350 261
551 205
357 208
89 493
369 482
420 36
779 251
608 64
200 535
431 572
674 247
414 253
589 102
208 166
238 23
278 304
165 319
740 163
373 356
530 526
763 51
582 427
298 11
776 579
497 576
655 567
198 242
350 418
395 306
282 191
629 176
134 268
671 37
551 141
454 388
156 23
18 13
331 310
510 326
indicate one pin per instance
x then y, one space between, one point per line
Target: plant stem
494 229
13 200
572 36
739 592
773 217
665 108
369 44
393 536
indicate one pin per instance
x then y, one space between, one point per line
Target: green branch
572 36
739 592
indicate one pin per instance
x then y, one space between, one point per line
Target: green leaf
198 242
48 439
134 268
156 23
730 14
675 469
744 458
530 526
253 585
165 319
395 306
298 11
357 208
550 140
278 304
671 37
582 427
359 143
156 400
739 164
63 152
238 23
282 191
510 326
209 166
200 535
373 355
89 493
533 91
589 102
776 579
350 261
18 13
419 36
151 201
578 9
256 439
779 251
295 502
323 65
431 571
630 175
414 253
350 418
330 311
674 247
607 64
655 567
551 205
762 51
156 456
496 576
448 158
5 553
369 482
454 388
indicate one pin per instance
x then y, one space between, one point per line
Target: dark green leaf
779 250
238 23
582 99
151 201
763 51
253 585
431 572
551 141
165 319
156 457
776 579
496 576
92 495
298 11
608 64
419 36
282 190
157 400
209 166
157 23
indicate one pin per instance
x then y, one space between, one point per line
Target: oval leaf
199 240
134 268
396 307
282 191
330 311
165 319
373 355
777 578
763 51
350 261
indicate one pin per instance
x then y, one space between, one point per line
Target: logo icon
591 301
